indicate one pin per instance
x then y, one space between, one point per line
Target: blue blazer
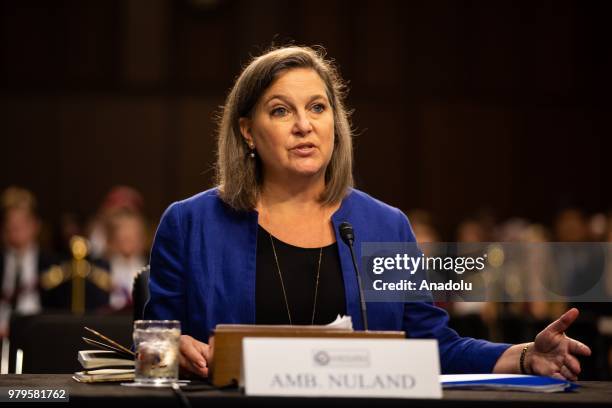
203 273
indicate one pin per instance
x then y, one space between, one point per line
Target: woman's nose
302 125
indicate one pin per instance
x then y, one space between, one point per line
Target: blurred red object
123 197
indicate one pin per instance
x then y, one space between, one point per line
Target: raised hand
553 353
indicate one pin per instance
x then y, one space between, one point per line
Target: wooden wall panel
29 149
106 141
195 133
513 97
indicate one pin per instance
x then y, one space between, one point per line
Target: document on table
342 322
515 382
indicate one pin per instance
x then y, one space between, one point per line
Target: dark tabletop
591 393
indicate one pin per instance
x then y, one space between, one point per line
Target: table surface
591 393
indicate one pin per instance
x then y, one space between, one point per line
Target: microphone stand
348 236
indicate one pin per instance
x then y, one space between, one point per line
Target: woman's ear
245 130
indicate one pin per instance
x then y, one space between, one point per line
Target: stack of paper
516 382
113 363
341 323
104 375
91 359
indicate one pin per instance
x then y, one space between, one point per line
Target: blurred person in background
119 198
607 321
113 237
471 230
608 271
541 273
21 260
580 268
515 275
471 318
495 319
571 226
67 227
126 253
425 232
423 226
598 227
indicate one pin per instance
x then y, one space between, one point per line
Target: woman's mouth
304 149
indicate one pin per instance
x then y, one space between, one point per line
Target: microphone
348 236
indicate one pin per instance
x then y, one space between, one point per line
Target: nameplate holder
310 367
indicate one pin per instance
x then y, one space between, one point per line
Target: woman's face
292 126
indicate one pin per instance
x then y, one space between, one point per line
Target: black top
298 267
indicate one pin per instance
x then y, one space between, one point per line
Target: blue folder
531 383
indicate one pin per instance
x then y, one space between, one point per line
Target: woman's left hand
553 353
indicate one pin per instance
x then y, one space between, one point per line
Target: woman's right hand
194 355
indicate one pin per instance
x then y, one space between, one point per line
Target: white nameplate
393 368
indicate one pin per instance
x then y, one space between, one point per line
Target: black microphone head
347 234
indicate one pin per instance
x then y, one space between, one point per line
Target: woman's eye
280 111
318 108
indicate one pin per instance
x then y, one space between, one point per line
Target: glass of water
157 351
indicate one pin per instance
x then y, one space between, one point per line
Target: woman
263 246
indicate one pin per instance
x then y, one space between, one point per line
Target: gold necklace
280 275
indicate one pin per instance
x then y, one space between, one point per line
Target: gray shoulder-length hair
239 177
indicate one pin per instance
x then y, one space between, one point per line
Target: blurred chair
50 342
